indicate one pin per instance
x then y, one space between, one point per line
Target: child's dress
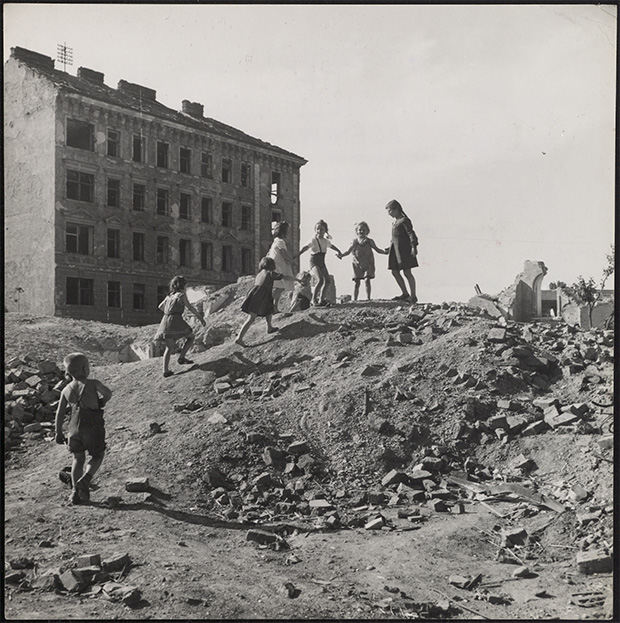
259 300
363 259
172 325
86 425
403 239
278 246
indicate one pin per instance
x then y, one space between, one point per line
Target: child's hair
74 364
178 284
324 224
396 205
279 229
267 263
363 225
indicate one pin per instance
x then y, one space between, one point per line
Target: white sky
493 125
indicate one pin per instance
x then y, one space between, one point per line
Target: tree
587 292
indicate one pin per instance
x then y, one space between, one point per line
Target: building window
138 148
227 214
227 170
162 293
114 143
163 201
246 262
185 160
185 250
80 134
206 256
275 186
162 154
276 216
163 250
138 246
114 243
80 291
246 218
114 294
246 175
139 296
79 239
139 197
80 186
227 255
206 210
185 206
206 165
113 198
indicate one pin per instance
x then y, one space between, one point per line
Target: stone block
321 505
33 380
497 421
594 562
116 562
71 582
47 367
136 485
515 423
535 428
393 477
88 560
129 595
562 419
375 524
87 575
273 456
48 581
497 334
297 448
261 536
439 506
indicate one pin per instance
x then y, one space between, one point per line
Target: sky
492 125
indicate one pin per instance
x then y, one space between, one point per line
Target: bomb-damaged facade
109 194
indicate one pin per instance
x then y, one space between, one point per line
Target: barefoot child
172 326
318 245
403 254
259 301
363 258
86 397
280 255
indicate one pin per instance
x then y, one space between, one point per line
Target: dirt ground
365 401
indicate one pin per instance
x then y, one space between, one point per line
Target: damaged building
109 194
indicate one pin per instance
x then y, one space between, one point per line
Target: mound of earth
368 460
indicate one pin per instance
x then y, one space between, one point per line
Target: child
363 258
86 397
318 245
403 251
259 301
302 294
280 255
172 326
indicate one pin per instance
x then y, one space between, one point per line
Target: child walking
302 294
172 326
403 251
259 301
318 245
280 255
362 249
86 397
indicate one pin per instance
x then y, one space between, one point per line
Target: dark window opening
162 293
275 186
185 160
114 143
139 296
185 248
79 239
138 148
206 165
163 250
246 218
276 216
246 262
185 206
139 197
206 256
113 198
163 201
80 186
227 214
138 246
114 243
206 210
246 175
80 134
162 154
227 258
227 170
80 291
114 294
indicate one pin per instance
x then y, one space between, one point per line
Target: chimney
32 58
90 74
193 109
137 90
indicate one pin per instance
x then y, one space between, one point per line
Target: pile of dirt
360 419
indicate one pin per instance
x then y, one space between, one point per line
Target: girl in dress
259 301
318 245
403 251
172 326
280 255
362 249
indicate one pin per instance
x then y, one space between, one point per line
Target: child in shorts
86 398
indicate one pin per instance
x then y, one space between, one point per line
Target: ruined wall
29 108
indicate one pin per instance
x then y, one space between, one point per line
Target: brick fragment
116 562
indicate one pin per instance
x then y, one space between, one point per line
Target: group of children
87 397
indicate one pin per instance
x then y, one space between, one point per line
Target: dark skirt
259 301
318 260
401 258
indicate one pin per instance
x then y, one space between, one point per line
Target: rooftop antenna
64 55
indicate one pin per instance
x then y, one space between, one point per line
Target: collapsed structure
109 193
